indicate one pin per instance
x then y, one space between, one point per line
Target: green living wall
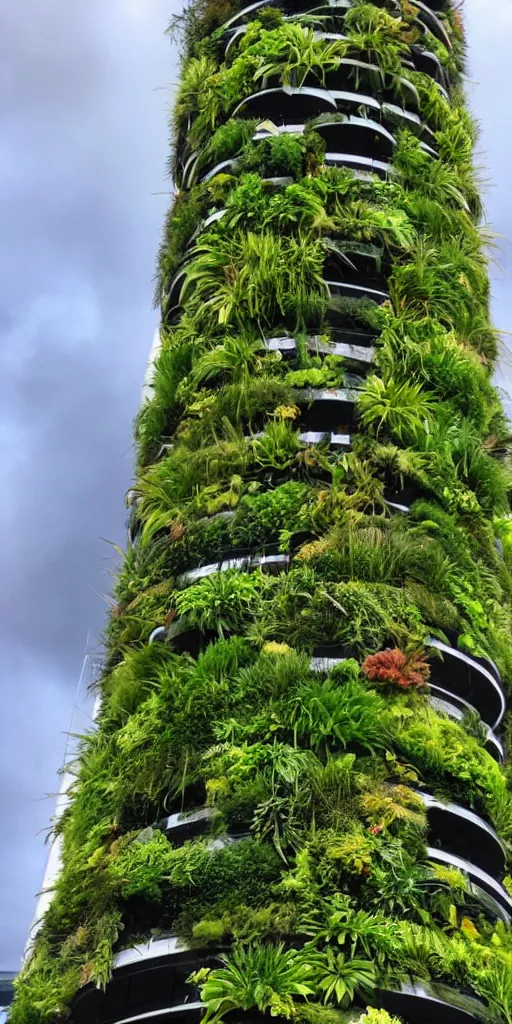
290 693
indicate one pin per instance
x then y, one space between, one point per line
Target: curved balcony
149 982
429 64
244 563
185 825
483 886
352 159
468 678
291 7
395 506
462 832
360 135
287 104
368 134
364 166
356 290
331 13
188 639
358 348
423 1003
427 17
133 523
312 437
325 657
172 297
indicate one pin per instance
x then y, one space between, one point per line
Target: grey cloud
83 146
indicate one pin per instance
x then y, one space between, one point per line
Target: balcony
465 677
360 135
187 639
244 563
354 289
291 7
459 831
339 152
483 887
357 349
423 1003
326 657
181 827
430 20
366 127
300 104
133 523
362 165
148 982
429 64
327 411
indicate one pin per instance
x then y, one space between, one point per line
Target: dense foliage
329 894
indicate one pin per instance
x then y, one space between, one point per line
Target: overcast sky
85 93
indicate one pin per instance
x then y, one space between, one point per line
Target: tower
295 803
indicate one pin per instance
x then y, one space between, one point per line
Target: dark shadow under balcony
431 21
282 105
327 411
273 563
149 982
423 1003
459 831
429 64
359 135
185 825
362 165
483 886
466 677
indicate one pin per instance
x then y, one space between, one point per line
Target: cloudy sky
85 93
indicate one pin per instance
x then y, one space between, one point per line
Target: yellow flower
274 648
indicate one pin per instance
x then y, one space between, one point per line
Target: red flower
397 667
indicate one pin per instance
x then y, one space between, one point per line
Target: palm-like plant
265 977
340 979
256 275
237 358
403 410
297 52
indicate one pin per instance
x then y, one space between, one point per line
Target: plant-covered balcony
149 981
463 676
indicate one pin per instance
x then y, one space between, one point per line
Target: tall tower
295 802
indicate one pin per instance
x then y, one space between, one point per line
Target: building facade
6 993
296 802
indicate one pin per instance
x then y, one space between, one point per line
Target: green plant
263 977
339 979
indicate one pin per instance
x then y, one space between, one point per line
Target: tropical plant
263 977
339 979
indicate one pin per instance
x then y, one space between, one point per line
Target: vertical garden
297 801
